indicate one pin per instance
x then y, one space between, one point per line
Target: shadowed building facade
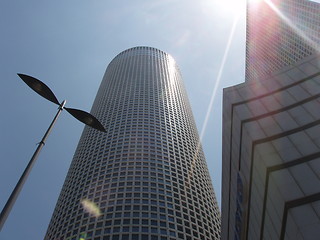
147 175
271 127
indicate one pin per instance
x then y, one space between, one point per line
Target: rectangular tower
271 127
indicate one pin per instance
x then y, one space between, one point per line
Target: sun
254 1
233 6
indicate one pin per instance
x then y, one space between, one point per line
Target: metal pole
14 195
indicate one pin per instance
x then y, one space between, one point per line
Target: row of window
159 191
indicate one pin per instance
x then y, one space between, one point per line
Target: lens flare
83 236
91 208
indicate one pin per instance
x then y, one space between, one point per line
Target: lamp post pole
43 90
14 195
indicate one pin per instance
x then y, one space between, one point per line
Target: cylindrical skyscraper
146 177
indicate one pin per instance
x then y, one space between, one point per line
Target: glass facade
271 144
147 174
279 34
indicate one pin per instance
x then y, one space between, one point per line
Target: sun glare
254 1
234 6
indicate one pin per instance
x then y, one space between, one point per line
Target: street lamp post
43 90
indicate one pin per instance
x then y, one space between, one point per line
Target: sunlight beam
214 92
215 88
293 26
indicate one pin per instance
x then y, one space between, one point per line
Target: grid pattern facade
147 173
280 33
271 128
271 156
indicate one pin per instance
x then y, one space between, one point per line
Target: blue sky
68 45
